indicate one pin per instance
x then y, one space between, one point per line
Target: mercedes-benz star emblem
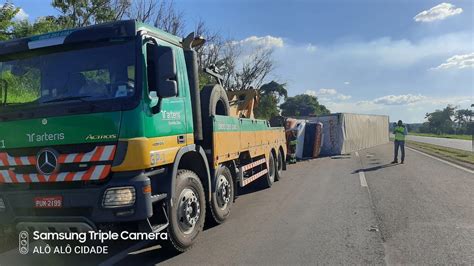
46 162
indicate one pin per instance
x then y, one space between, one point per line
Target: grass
446 136
449 154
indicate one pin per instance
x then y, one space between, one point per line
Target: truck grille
88 166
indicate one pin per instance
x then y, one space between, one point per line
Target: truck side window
150 62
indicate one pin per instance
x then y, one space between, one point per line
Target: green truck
105 128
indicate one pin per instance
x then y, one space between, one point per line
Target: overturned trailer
345 132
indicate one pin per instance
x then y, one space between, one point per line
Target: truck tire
223 196
214 101
279 166
187 214
270 176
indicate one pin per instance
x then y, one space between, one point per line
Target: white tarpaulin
344 133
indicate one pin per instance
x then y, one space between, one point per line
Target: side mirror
167 74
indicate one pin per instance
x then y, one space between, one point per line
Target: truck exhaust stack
193 76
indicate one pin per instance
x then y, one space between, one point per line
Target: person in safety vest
400 131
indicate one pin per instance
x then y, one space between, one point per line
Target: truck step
158 197
147 226
159 227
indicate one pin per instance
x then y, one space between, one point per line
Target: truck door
167 129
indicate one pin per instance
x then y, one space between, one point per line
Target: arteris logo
170 115
42 137
101 137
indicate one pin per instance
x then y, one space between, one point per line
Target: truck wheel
214 101
188 212
279 166
271 171
223 196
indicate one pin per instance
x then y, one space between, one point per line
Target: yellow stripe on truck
144 153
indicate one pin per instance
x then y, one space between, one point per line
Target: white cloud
399 99
21 15
311 48
310 92
438 12
346 83
458 61
265 41
376 68
343 97
328 94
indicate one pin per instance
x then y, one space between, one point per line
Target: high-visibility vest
399 133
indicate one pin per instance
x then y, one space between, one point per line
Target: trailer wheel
279 166
214 101
223 196
187 213
271 171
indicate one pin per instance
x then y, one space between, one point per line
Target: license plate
49 202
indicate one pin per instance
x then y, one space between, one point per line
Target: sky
398 58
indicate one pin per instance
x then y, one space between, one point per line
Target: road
451 143
354 209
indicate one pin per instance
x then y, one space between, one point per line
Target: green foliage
275 89
267 107
205 79
40 26
439 121
24 88
7 13
449 121
464 123
270 95
303 105
80 13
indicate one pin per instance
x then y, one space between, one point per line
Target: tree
162 14
463 118
440 122
80 13
254 69
41 25
169 19
7 14
270 94
303 105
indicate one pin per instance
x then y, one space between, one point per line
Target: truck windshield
87 74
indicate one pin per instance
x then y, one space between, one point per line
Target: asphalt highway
349 209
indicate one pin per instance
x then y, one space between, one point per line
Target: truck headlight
119 197
2 205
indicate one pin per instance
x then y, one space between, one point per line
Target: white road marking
363 182
357 154
441 160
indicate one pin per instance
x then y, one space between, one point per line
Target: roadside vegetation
454 155
451 122
447 136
